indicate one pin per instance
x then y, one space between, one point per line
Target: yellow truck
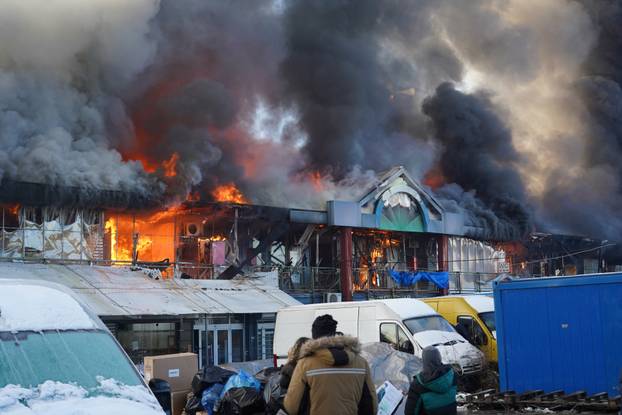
473 316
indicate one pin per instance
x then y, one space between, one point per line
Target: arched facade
400 209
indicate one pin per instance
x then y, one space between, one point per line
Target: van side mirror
484 340
480 339
407 347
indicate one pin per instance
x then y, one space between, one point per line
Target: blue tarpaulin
407 279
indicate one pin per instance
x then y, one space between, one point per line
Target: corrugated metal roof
118 291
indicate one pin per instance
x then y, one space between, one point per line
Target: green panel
402 219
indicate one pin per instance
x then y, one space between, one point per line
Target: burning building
352 245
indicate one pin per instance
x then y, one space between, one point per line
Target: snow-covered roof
118 291
408 307
481 303
33 307
403 307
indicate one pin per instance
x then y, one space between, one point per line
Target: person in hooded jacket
331 377
274 403
292 359
433 390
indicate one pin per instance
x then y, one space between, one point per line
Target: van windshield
489 320
419 324
30 358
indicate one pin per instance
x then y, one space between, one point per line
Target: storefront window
147 339
223 355
237 345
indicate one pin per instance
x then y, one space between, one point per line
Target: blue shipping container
560 333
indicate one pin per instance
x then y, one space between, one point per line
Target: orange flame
193 197
121 240
164 214
14 209
116 253
229 193
170 165
316 181
434 178
214 238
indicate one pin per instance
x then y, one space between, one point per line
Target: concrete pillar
443 252
346 264
443 255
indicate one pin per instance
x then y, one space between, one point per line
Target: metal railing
293 279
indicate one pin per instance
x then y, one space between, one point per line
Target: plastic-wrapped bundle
386 363
242 401
264 375
193 404
241 380
251 366
272 394
210 397
209 376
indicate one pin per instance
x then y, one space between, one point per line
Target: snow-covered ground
55 398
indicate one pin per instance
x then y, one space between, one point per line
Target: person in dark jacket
433 390
292 359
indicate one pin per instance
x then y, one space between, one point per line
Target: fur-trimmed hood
347 343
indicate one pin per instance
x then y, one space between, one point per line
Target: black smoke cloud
339 72
478 155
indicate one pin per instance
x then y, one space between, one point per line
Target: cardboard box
178 401
177 369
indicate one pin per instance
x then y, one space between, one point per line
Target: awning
120 292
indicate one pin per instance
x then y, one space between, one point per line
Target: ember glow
229 193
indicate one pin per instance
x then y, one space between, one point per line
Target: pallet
554 401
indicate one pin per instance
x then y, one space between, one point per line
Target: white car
57 357
408 324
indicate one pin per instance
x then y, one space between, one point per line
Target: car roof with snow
27 305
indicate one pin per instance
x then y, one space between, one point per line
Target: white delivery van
408 324
58 357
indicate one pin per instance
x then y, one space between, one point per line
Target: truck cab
473 316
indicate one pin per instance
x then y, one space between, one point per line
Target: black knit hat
324 326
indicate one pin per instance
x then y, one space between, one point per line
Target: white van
409 325
57 357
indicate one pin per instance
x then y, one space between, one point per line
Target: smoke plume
510 111
478 154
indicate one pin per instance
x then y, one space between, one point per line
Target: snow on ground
45 309
55 398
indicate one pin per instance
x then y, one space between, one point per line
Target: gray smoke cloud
300 102
62 66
